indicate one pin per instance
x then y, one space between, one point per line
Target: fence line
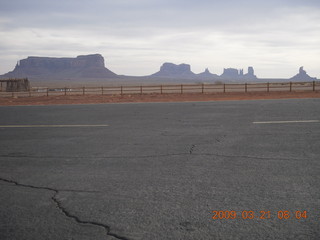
167 89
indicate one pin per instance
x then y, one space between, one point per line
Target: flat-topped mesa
230 73
173 70
95 60
81 66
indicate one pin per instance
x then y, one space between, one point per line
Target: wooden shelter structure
15 85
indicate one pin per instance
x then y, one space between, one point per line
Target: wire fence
167 89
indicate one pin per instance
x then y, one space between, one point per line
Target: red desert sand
188 97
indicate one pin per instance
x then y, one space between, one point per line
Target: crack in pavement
64 210
249 157
191 149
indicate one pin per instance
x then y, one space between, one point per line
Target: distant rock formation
173 70
250 74
183 71
92 67
207 75
302 76
232 73
87 66
206 72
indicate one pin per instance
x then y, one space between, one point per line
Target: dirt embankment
94 99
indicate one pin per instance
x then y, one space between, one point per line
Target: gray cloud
267 34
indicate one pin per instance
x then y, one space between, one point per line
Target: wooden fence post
161 89
102 90
246 87
202 90
47 92
121 90
141 90
181 88
290 86
83 91
65 91
224 88
268 87
314 86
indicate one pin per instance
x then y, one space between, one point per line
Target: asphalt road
160 170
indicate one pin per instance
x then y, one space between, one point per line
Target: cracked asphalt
158 170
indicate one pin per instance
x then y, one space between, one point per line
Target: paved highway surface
161 170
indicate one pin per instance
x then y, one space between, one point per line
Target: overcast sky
136 37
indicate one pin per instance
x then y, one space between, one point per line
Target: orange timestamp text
283 214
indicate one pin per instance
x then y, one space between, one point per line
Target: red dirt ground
94 99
